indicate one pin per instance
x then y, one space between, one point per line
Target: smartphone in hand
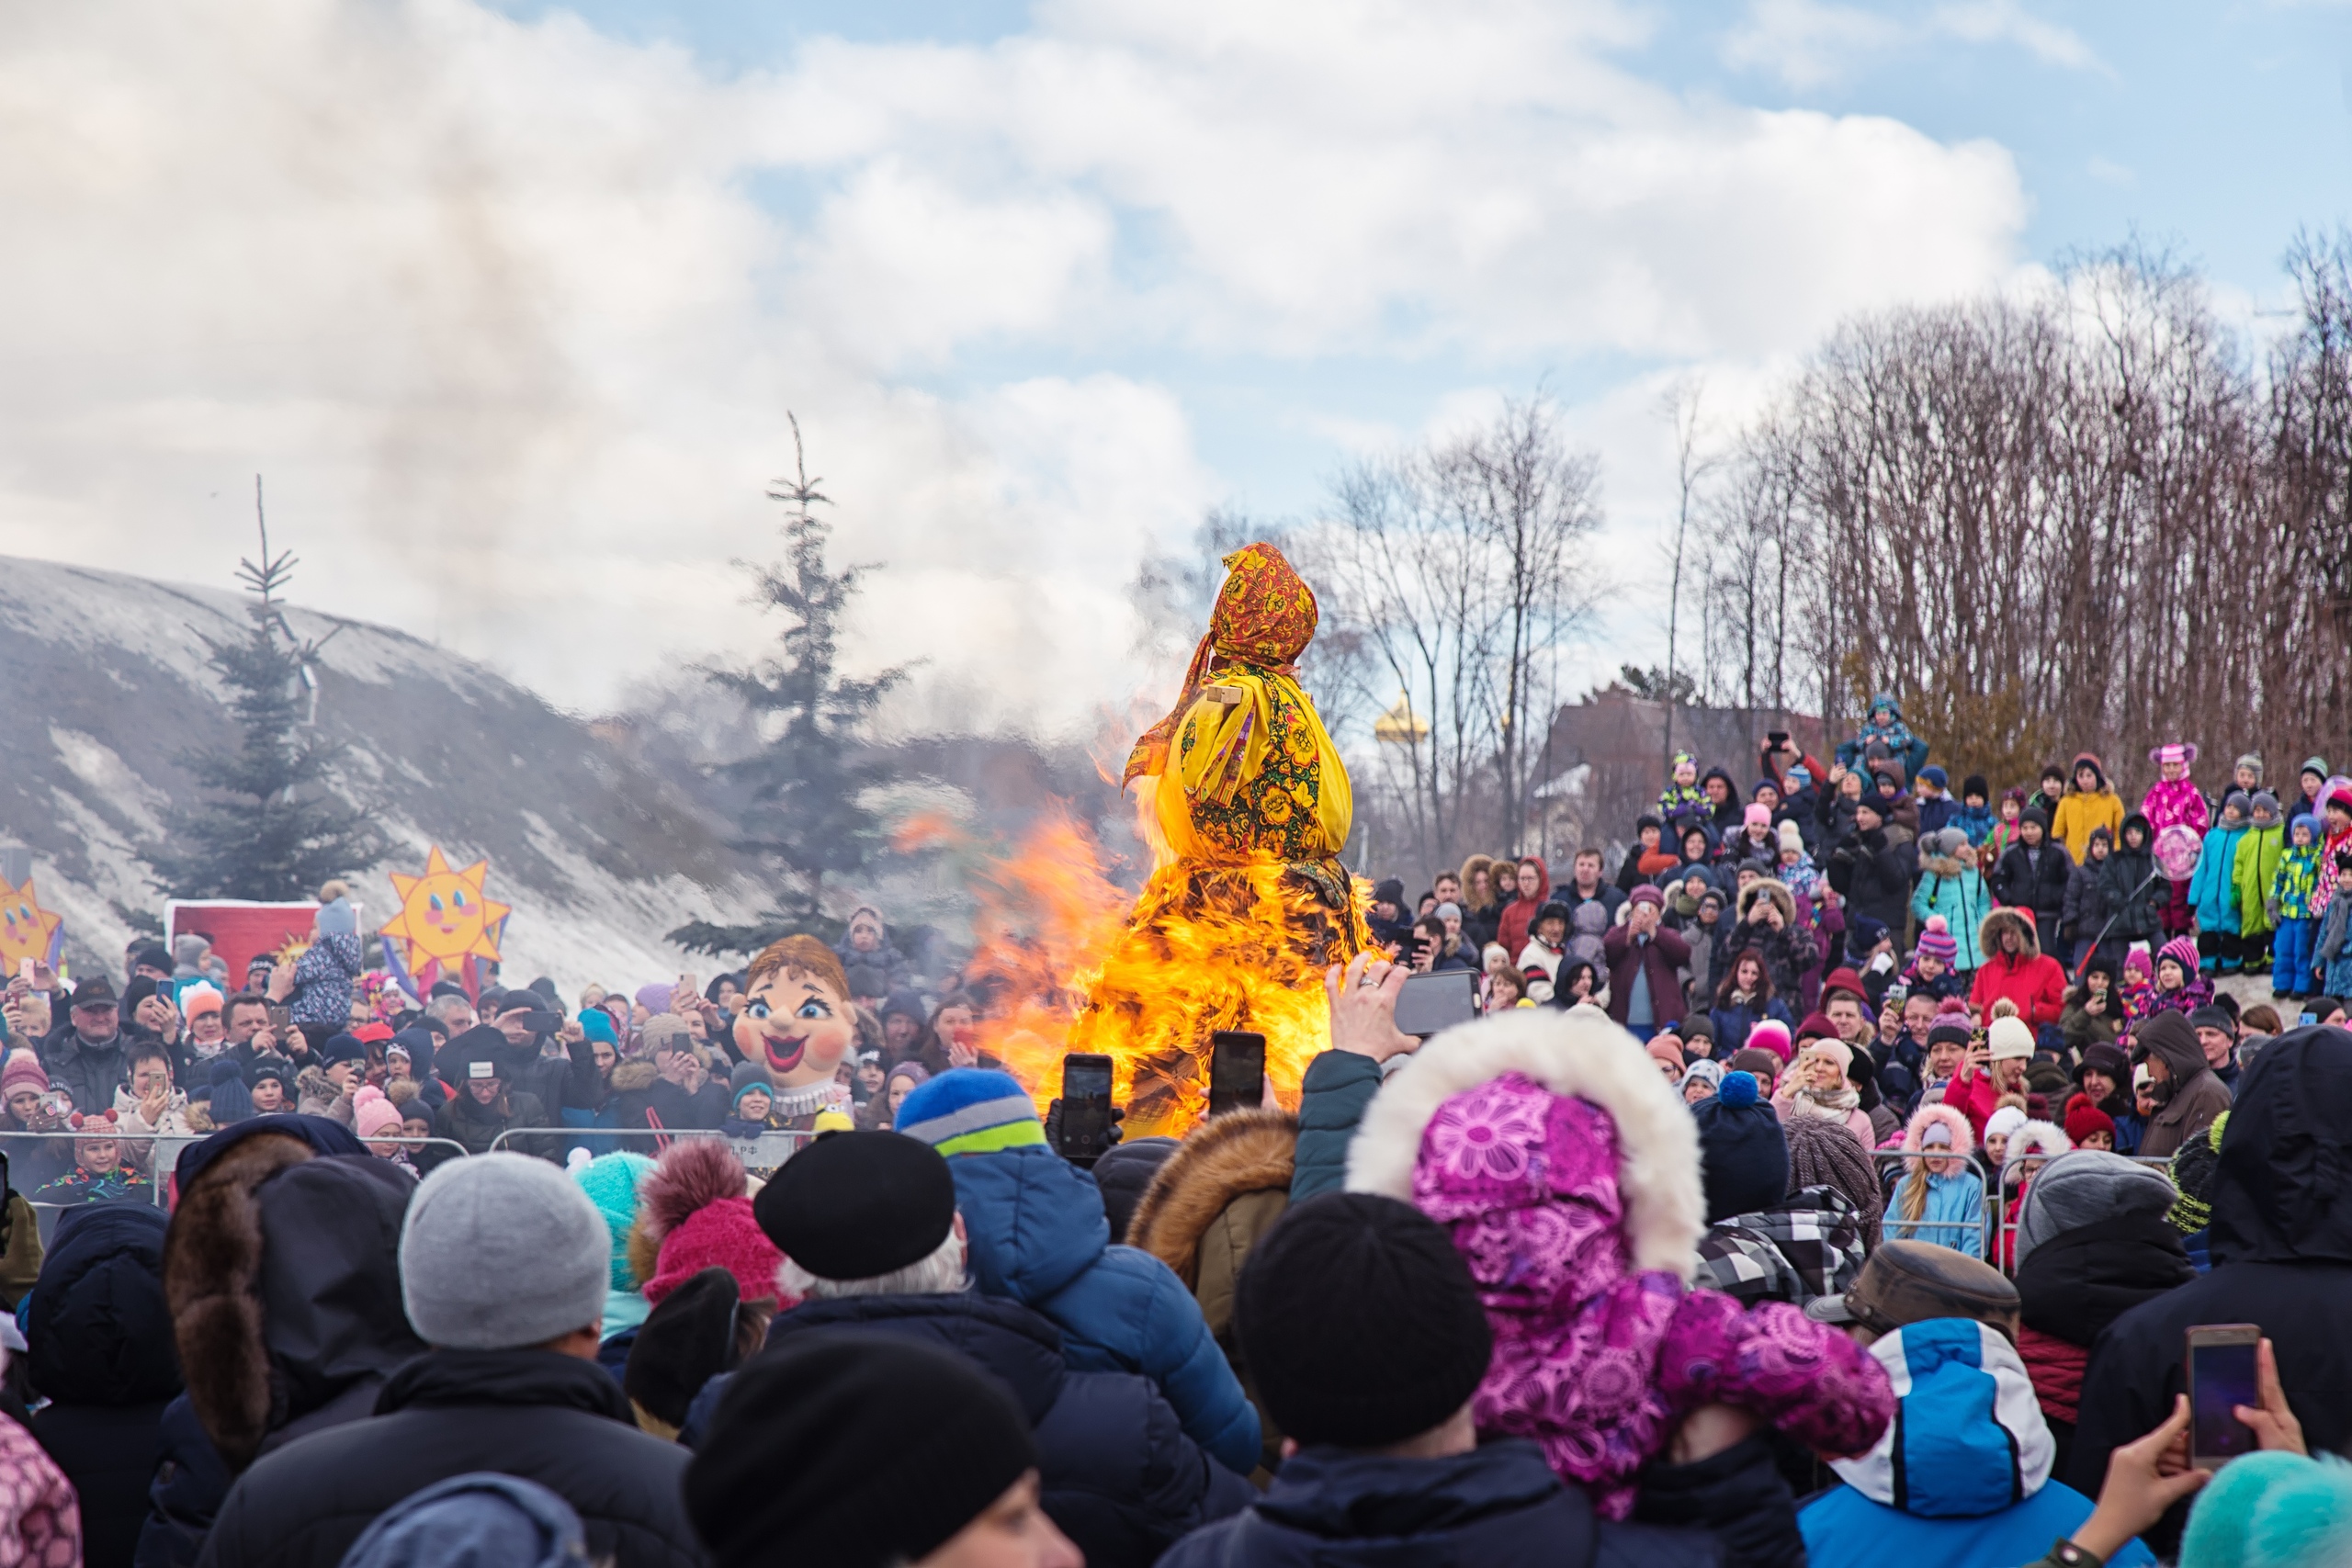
2222 1376
1236 1070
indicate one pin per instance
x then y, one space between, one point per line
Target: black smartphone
2222 1376
1086 1107
1236 1070
1431 1002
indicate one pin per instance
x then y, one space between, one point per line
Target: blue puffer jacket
1035 1233
1498 1505
1961 1476
2212 892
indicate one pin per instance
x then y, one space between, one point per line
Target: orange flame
1075 963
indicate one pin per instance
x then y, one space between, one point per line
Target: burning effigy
1247 805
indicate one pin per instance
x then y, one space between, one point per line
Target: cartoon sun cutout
27 930
443 916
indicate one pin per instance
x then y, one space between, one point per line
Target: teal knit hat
2272 1510
972 1110
611 1183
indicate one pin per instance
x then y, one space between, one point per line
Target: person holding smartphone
2280 1241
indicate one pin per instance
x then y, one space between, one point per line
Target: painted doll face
798 1024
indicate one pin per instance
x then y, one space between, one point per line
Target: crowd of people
1834 1174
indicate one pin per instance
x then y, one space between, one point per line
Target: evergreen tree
795 801
273 827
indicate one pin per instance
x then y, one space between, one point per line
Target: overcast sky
508 300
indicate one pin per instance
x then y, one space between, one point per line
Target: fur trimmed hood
268 1216
1771 888
1963 1136
2039 1140
1249 1151
1579 1052
2008 918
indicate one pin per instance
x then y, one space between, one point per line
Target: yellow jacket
2079 814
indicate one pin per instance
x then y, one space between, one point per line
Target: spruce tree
271 826
795 801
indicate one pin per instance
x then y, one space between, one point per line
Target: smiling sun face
443 916
795 1015
27 930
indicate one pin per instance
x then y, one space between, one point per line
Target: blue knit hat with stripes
972 1110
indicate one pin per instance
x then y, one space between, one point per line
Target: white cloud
2007 21
1811 43
1807 43
497 310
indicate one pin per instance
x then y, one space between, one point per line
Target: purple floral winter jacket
1593 1362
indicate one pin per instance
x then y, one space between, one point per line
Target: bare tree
1456 573
2082 518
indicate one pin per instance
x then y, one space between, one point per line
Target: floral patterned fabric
1243 798
1265 615
1593 1362
41 1521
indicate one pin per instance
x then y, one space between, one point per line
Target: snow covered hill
106 687
600 834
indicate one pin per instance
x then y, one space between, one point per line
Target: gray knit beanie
2087 1186
501 1251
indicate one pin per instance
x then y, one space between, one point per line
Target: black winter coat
1872 872
1119 1475
90 1074
2281 1245
548 1417
1498 1507
2131 891
101 1352
2040 887
324 1232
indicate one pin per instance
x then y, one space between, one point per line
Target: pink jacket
1568 1172
2179 801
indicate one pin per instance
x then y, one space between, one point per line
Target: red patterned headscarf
1265 615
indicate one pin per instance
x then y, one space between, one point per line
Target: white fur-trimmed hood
1579 1052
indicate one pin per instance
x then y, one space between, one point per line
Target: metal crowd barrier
758 1155
160 1152
1916 1230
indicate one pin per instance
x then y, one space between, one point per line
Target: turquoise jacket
1953 1201
2212 892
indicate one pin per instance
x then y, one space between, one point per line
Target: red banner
240 930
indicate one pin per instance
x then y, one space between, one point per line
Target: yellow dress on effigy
1235 927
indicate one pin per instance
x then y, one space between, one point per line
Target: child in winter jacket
1884 726
1938 1196
2292 887
1566 1170
2333 963
1952 889
1682 800
2212 892
1974 816
2179 987
2089 804
2250 873
2175 800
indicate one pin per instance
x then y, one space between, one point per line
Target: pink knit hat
1758 815
1771 1035
23 1071
691 1207
2181 752
719 1236
373 1115
1937 940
